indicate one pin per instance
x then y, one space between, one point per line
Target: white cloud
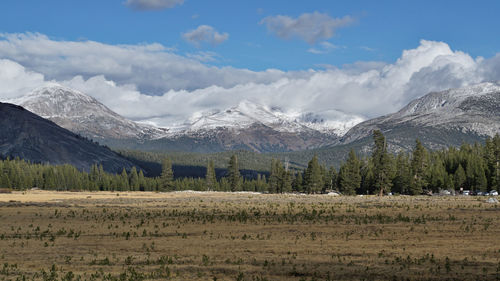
205 34
367 89
323 48
15 79
204 56
144 5
153 68
310 27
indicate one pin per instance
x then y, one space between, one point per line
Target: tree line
471 167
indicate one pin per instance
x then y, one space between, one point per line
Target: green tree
349 175
134 179
313 180
382 164
234 173
460 177
297 184
210 178
402 179
167 175
419 169
276 176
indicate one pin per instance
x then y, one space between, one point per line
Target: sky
170 60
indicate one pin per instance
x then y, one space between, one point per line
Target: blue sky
167 61
382 29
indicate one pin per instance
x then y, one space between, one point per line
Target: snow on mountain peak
248 113
83 114
448 100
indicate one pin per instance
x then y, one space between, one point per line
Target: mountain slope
30 137
247 126
84 115
439 119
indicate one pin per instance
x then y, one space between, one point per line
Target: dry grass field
243 236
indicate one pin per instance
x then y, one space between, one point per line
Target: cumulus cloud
205 34
15 79
310 27
144 5
366 89
153 68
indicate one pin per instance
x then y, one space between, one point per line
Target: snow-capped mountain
259 128
84 115
247 125
440 118
247 114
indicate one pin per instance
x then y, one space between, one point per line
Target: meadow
246 236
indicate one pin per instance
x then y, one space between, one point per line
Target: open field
243 236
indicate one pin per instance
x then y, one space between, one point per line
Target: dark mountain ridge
30 137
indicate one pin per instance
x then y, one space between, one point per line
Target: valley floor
243 236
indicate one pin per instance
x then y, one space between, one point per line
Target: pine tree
329 181
142 181
275 177
234 173
437 175
297 184
382 166
492 157
134 179
124 181
419 169
460 177
349 175
313 180
210 178
402 179
167 175
286 183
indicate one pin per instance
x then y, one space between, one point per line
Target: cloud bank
118 75
310 27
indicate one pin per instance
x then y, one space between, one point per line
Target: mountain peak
83 114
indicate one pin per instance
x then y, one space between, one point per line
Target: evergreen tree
492 157
330 179
382 166
286 183
402 179
297 184
167 175
460 177
142 182
234 173
276 176
134 179
419 169
349 175
210 178
437 175
124 181
313 180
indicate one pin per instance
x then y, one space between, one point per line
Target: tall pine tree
234 173
349 175
210 178
382 166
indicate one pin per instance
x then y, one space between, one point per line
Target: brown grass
223 236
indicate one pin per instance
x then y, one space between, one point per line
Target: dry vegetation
223 236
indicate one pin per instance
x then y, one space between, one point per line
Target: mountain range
438 119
